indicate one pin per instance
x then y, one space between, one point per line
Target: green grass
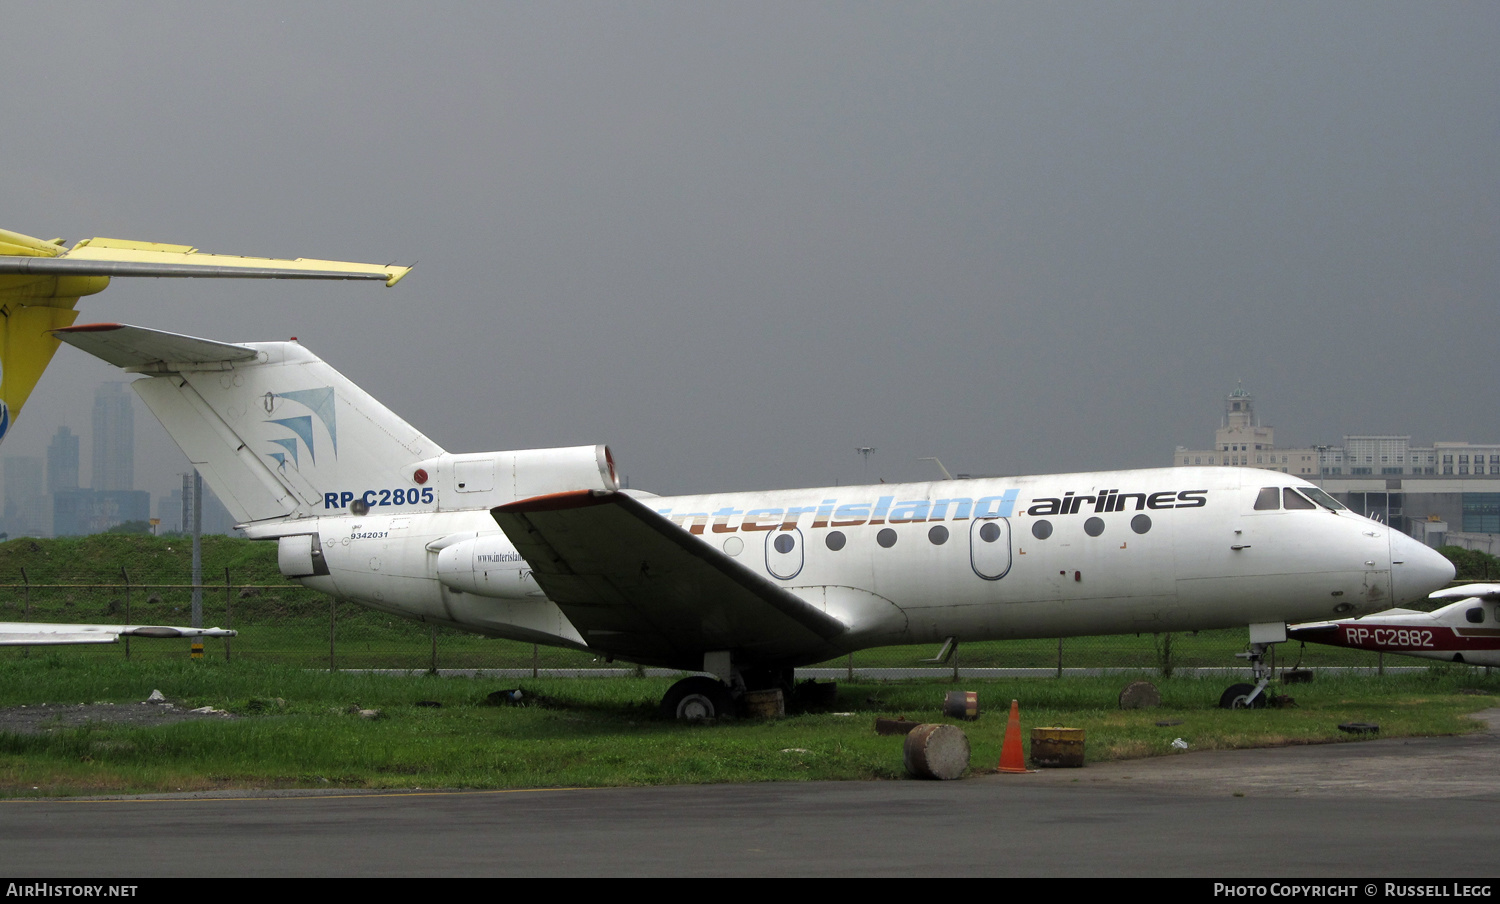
99 559
297 729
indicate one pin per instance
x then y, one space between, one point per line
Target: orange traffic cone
1011 758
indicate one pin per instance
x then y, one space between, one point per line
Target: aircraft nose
1416 570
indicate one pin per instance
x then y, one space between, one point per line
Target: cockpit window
1323 499
1293 500
1269 499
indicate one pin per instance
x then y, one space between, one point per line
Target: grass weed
297 728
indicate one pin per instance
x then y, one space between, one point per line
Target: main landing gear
697 699
700 698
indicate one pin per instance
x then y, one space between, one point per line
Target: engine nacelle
300 556
483 480
484 564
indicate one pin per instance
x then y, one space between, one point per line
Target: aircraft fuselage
1049 556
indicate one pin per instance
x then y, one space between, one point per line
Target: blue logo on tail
320 403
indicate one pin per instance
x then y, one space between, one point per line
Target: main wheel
1236 698
696 699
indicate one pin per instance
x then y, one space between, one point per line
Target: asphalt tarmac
1398 808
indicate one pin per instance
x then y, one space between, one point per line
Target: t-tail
281 437
41 282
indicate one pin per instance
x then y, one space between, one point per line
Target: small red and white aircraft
544 546
1464 631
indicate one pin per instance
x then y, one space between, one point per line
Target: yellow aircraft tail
41 282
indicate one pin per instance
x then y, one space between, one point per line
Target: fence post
126 576
955 661
535 660
26 606
433 669
332 626
1059 657
851 667
228 610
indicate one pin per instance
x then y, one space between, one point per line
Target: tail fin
41 282
275 431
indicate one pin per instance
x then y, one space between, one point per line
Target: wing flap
638 586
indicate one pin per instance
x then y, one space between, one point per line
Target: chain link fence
290 624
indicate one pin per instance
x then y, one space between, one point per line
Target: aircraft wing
42 634
1468 591
638 586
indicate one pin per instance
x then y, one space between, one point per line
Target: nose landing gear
1243 696
1253 696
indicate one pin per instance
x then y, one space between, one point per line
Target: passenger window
1269 499
1475 615
1294 500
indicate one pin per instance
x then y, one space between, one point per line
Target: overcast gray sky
738 240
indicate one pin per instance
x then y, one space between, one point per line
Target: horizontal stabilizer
39 634
636 585
137 347
21 254
52 266
41 281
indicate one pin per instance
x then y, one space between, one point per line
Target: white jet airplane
1464 631
543 545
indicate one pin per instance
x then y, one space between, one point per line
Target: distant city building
114 438
71 512
113 499
76 513
25 497
1242 441
62 461
174 510
1446 493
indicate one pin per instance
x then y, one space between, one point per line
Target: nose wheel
1242 696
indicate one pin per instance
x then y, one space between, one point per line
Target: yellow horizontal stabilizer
122 257
26 246
41 281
